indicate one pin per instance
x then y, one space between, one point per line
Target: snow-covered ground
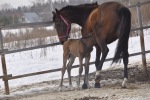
31 61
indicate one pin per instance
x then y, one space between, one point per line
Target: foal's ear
57 11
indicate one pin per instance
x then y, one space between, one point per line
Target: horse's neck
73 17
78 16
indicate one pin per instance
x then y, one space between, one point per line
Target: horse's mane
72 7
88 4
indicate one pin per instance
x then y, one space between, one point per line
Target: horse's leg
86 78
71 61
105 51
97 61
125 62
98 54
80 70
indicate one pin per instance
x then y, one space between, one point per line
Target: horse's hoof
84 86
97 85
124 83
123 87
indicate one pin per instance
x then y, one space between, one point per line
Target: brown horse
81 48
108 22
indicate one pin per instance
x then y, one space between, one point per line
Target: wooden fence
3 51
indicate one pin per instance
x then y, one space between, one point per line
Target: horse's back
108 14
111 20
77 47
106 20
73 45
103 14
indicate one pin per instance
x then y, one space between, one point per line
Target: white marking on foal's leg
124 83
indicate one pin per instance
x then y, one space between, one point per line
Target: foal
81 48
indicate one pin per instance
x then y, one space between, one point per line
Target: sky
17 3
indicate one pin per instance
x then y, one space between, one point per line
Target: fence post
142 38
6 84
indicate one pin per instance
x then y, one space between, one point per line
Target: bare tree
51 5
38 2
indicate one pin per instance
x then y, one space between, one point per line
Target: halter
68 27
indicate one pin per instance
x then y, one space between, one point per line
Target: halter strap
68 27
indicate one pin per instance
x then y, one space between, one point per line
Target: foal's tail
124 30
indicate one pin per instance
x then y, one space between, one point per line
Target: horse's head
71 14
62 26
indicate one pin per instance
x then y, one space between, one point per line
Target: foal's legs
86 78
65 56
80 70
71 61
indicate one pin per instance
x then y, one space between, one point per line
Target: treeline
4 20
9 15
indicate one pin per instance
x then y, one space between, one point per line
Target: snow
33 61
15 31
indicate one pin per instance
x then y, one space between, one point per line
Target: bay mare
80 48
108 22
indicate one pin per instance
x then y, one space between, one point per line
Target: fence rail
59 69
26 25
3 51
53 44
139 4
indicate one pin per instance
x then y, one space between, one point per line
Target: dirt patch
90 98
138 88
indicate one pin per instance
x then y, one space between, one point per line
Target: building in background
31 17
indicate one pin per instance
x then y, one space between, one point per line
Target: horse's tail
124 30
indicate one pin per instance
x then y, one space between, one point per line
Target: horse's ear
96 3
53 13
57 11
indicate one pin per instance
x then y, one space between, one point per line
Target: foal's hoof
84 86
97 85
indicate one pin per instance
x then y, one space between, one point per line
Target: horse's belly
74 52
111 39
